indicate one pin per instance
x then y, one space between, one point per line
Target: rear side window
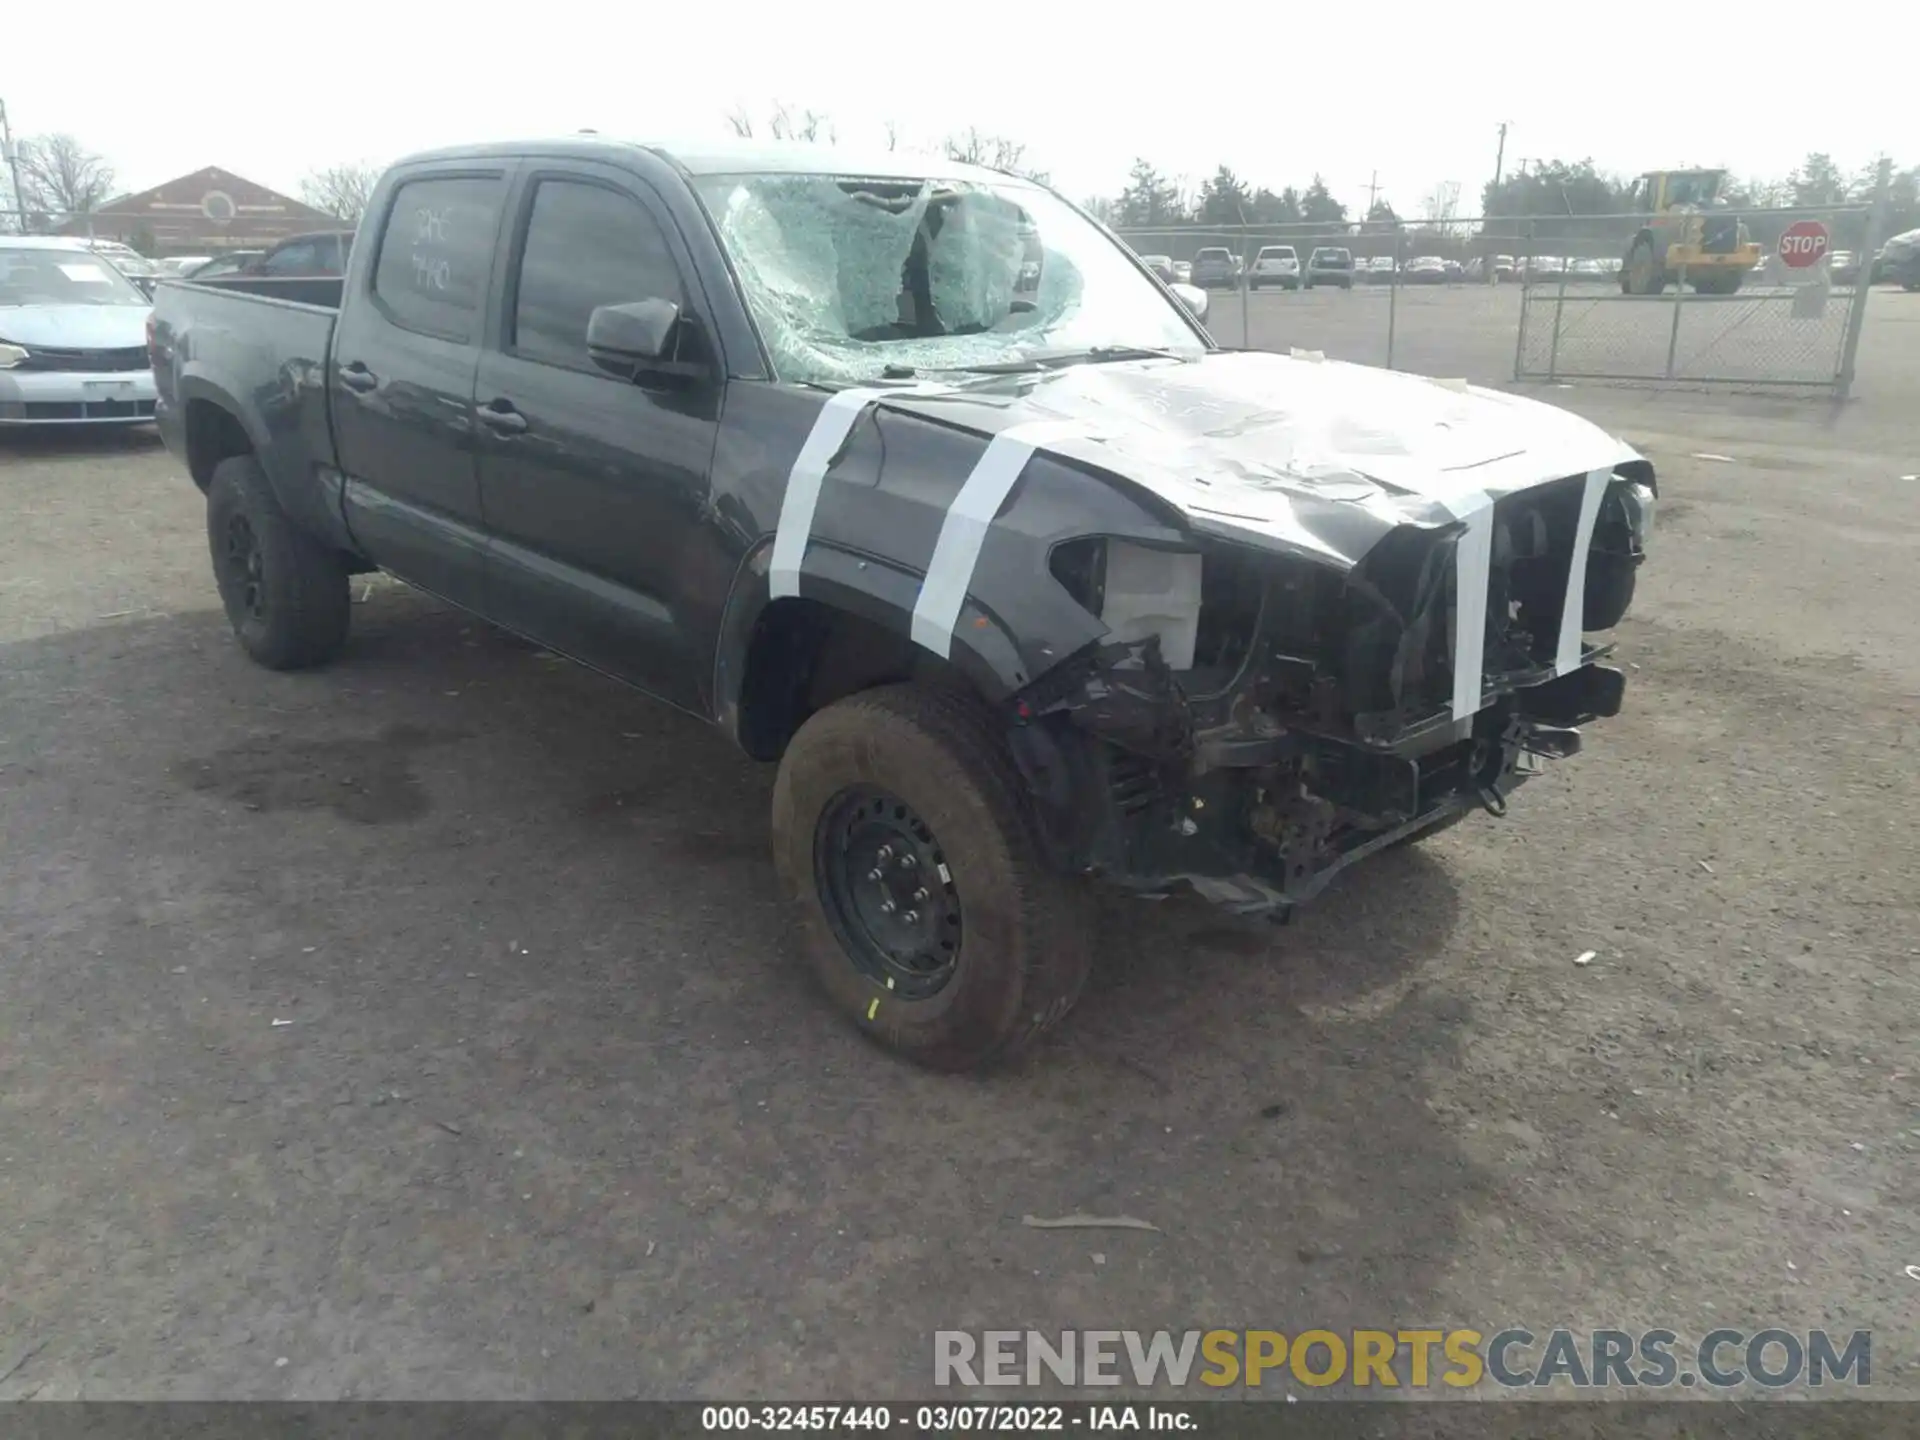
586 246
302 257
435 255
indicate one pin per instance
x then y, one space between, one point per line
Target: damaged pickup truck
915 480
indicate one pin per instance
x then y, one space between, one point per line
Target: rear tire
926 772
285 594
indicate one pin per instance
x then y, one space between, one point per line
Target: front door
404 354
593 486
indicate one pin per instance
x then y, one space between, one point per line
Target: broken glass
848 277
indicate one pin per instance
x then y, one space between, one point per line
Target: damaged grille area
1404 602
1316 721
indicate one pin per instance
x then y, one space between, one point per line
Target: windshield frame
1000 184
63 255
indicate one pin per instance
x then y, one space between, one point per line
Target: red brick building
204 213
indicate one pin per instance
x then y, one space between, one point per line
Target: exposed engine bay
1255 722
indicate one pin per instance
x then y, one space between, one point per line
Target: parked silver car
73 339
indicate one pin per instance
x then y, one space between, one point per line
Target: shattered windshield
853 279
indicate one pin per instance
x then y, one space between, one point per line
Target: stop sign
1803 244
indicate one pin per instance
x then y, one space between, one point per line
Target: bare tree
994 152
60 176
784 123
343 191
893 135
1442 204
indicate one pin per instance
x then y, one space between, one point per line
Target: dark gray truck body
1398 575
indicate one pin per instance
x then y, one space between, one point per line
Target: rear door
404 355
595 487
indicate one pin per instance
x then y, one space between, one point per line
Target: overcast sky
1414 92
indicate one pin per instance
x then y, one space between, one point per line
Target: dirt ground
558 1113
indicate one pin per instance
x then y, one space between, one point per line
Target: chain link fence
1748 318
1492 299
17 223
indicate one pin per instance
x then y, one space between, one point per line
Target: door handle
501 417
358 378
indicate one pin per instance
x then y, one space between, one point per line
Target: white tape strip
830 430
1567 656
964 531
1472 571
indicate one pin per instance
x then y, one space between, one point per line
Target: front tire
902 835
285 595
1642 274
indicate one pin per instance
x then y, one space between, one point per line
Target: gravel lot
558 1113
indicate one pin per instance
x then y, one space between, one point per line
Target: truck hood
75 327
1294 453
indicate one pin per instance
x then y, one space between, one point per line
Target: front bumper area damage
1319 721
1254 815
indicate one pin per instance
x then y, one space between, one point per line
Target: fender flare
880 591
312 501
196 386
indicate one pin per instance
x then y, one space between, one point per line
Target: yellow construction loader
1685 236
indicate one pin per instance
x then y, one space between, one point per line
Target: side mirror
624 339
1193 297
645 338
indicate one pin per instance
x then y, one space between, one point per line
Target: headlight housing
1137 591
1637 501
11 355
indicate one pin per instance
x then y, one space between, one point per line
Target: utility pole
1499 160
1373 189
13 166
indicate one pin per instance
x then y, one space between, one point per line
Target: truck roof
728 157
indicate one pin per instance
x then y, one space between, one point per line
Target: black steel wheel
903 836
888 891
245 568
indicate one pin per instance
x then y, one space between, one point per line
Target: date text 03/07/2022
946 1419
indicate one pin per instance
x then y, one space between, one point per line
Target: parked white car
73 338
1275 265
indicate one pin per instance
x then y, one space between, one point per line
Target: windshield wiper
1048 360
1129 352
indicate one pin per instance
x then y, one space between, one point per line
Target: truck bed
320 290
262 358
